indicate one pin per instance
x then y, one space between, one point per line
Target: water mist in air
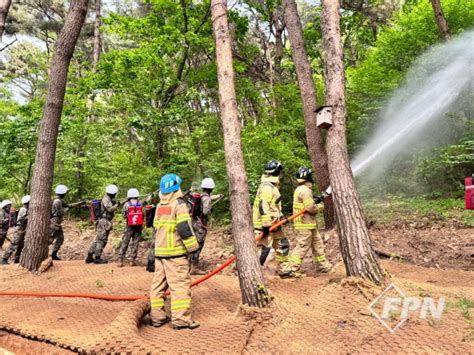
434 83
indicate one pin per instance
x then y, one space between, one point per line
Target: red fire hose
134 298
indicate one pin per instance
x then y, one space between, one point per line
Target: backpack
150 215
14 217
96 210
195 207
135 215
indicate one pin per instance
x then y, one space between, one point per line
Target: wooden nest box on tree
324 117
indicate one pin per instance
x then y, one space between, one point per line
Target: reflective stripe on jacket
267 204
303 199
174 233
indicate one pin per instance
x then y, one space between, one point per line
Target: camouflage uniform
56 234
104 225
4 225
18 236
132 233
200 224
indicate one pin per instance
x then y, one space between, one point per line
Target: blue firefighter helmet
170 183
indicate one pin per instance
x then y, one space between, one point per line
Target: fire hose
134 298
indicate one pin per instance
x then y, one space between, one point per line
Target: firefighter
108 206
19 231
307 235
266 211
5 207
174 241
201 212
133 232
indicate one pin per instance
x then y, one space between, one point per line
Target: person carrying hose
174 242
267 210
307 235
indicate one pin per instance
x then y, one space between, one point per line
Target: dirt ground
317 313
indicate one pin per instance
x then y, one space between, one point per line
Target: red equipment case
135 215
469 188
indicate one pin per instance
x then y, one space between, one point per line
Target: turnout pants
56 236
151 251
277 241
16 246
133 235
104 226
307 240
172 273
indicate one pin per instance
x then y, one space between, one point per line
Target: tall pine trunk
440 19
36 245
252 283
317 152
356 248
4 7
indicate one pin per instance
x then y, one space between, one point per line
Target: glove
284 219
318 199
150 266
266 231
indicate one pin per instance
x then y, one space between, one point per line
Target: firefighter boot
54 256
192 325
120 262
4 262
150 266
290 275
89 258
98 260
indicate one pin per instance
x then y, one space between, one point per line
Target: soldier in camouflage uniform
4 220
108 206
19 231
132 234
58 210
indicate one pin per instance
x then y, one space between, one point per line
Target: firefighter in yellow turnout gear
266 211
307 236
174 241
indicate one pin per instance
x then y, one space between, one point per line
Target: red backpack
135 215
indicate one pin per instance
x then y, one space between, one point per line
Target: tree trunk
252 283
356 248
97 40
317 152
36 246
4 7
440 19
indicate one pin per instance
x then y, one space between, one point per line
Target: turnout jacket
174 233
303 199
267 204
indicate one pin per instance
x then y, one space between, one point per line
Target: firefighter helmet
5 203
304 173
111 189
273 168
170 183
133 193
208 183
25 199
60 190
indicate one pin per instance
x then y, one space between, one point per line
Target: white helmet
132 193
60 190
5 203
208 183
111 189
25 199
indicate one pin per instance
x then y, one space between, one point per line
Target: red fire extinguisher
469 188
